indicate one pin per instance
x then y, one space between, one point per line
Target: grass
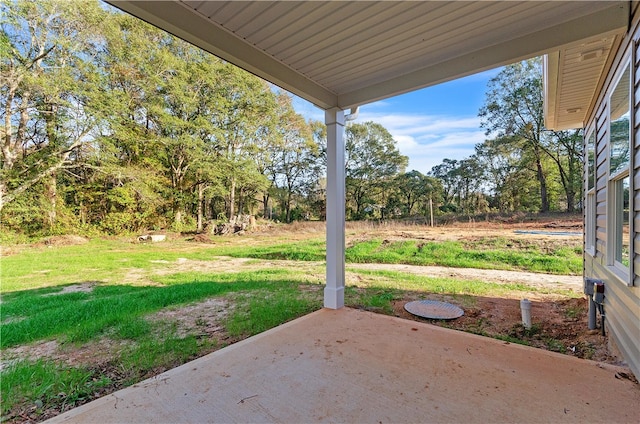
262 312
35 308
374 299
42 383
307 250
264 299
406 281
78 317
158 353
456 254
488 254
110 260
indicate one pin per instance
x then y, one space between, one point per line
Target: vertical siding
622 302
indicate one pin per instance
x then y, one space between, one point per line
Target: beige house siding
622 296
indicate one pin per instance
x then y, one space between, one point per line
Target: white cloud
425 139
307 109
407 144
379 104
428 139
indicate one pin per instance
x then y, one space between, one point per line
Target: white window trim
623 273
612 234
590 223
590 197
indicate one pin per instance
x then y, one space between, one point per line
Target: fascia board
550 72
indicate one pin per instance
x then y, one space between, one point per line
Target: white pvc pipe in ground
525 308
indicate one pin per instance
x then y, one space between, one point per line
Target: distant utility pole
431 209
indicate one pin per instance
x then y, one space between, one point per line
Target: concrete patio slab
353 366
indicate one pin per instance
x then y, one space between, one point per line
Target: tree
372 158
415 189
159 92
463 185
45 123
513 111
297 155
565 149
470 176
446 173
315 190
244 116
182 107
504 173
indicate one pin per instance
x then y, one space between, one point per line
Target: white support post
334 289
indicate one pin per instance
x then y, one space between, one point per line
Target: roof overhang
572 78
344 54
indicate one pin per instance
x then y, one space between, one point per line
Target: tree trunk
409 205
3 191
177 207
51 193
265 206
241 202
200 220
571 200
232 198
51 190
431 210
544 205
83 213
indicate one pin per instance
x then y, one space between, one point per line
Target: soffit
343 54
572 77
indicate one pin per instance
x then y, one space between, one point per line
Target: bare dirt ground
559 321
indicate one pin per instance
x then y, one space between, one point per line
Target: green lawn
498 255
34 307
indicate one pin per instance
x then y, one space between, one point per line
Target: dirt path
316 269
549 281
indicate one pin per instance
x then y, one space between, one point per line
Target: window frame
590 169
615 181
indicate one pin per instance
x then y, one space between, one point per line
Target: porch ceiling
344 54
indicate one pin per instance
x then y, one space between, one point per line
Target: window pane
619 127
622 221
591 157
590 224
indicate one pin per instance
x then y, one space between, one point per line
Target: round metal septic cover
433 309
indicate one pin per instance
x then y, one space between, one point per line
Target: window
621 222
591 161
619 150
590 206
590 224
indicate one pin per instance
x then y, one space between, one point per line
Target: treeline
522 166
112 125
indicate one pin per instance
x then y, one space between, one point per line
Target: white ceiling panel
343 53
572 76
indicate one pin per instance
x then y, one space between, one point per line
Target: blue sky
430 124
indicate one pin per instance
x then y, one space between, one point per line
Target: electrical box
598 291
589 283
